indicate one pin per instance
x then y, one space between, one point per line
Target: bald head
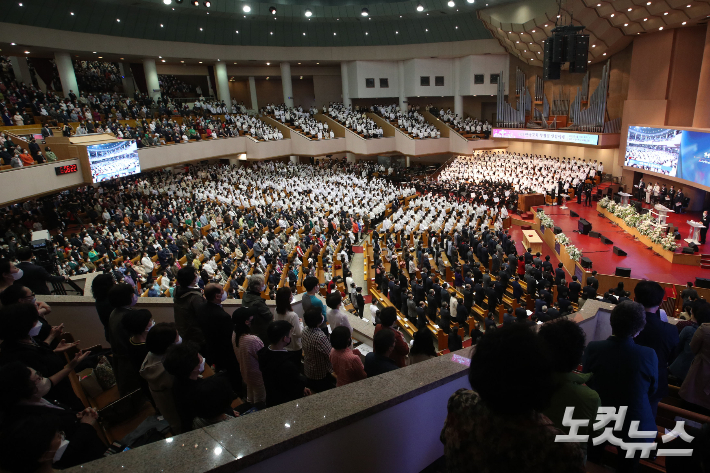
213 293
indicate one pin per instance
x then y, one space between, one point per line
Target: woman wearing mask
9 274
23 395
246 346
284 311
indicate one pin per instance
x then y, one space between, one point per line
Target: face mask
60 451
179 341
43 387
34 331
17 275
134 301
202 366
151 326
224 296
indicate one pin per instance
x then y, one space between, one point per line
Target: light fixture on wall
246 8
470 1
365 12
272 10
420 7
308 13
167 2
207 4
451 3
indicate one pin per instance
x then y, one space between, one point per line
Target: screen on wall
111 160
541 135
683 154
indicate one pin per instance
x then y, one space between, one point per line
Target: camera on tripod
43 249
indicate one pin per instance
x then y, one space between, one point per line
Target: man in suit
574 289
216 325
486 279
704 231
589 292
546 265
625 374
445 317
593 281
421 316
467 297
658 335
411 308
517 289
559 274
34 277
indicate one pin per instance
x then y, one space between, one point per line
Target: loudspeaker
557 230
584 227
586 263
694 247
619 251
605 240
572 213
702 282
578 63
558 47
688 250
595 234
569 47
623 272
550 67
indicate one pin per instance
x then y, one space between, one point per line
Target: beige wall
686 59
239 90
327 89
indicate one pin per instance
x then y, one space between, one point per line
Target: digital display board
683 154
111 160
59 170
545 135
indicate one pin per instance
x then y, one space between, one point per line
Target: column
129 87
344 82
701 117
252 91
458 98
21 70
400 77
286 84
66 73
151 79
220 72
350 157
406 160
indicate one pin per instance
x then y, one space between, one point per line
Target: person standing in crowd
388 316
216 326
284 311
246 347
34 276
188 303
379 361
282 378
346 362
263 316
316 353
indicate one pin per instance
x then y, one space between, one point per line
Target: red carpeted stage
643 262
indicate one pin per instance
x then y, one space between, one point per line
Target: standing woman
246 347
99 289
284 311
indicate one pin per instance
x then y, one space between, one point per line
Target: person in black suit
360 303
421 316
589 292
559 274
282 378
517 289
704 231
593 281
378 361
217 327
34 276
661 336
445 317
574 289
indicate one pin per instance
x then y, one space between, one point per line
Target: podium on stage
694 236
662 213
624 198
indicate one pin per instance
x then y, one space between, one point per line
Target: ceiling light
420 7
451 3
612 15
272 10
182 61
365 12
71 13
271 32
599 4
545 26
304 34
121 59
470 1
207 4
648 3
533 31
267 78
246 8
26 52
237 31
20 4
594 45
457 27
684 23
161 25
200 62
167 2
645 19
163 60
12 44
629 9
687 6
268 63
301 77
589 61
396 32
366 33
558 16
94 52
118 20
626 24
200 29
426 29
335 34
660 29
665 13
309 13
196 3
160 57
604 54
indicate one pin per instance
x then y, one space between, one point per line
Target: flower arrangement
562 239
668 242
604 203
574 252
643 223
545 220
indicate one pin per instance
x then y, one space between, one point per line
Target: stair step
705 266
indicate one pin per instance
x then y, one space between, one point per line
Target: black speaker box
606 241
586 263
557 230
694 247
619 251
595 234
578 63
558 47
688 250
702 282
572 213
550 67
623 272
569 47
583 226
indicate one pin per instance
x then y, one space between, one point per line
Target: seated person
282 378
380 361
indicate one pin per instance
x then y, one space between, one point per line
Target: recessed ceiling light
335 34
267 78
200 29
304 34
420 7
645 19
26 52
271 32
626 24
604 54
629 9
20 4
687 6
396 32
200 62
71 13
163 60
470 1
309 13
366 33
451 3
594 45
237 31
666 13
121 59
160 57
317 63
599 4
246 8
612 15
12 44
426 29
272 10
684 23
365 12
207 4
182 61
457 27
167 2
648 3
589 61
268 63
118 20
660 29
94 52
161 25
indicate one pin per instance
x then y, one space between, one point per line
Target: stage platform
643 262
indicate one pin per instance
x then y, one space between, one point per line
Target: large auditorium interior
317 236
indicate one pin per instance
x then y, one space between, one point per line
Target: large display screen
683 154
111 160
542 135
